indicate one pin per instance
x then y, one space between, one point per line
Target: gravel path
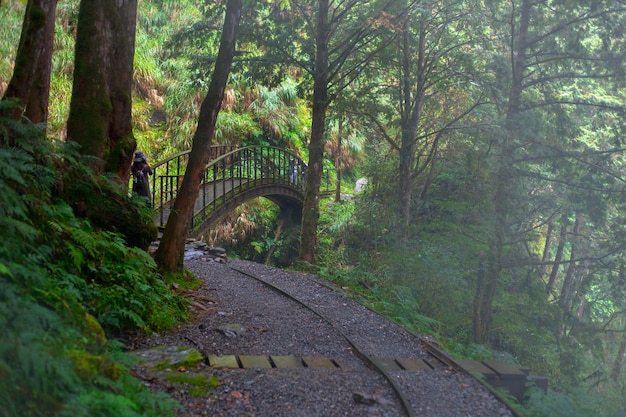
236 315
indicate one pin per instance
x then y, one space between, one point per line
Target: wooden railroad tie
503 375
278 361
515 380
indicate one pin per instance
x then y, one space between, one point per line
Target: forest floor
236 315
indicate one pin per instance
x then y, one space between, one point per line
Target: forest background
491 134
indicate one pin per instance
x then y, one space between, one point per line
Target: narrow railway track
435 358
288 344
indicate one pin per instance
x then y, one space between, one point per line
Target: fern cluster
63 282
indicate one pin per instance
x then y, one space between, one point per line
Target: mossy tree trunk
100 109
558 257
30 83
504 184
311 205
171 251
569 287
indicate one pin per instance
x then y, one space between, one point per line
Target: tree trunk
618 365
171 251
310 208
100 110
559 254
568 289
30 83
338 159
478 327
505 181
546 250
277 236
489 274
405 185
411 115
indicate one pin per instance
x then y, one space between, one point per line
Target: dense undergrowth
425 283
65 285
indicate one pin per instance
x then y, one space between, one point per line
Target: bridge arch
286 198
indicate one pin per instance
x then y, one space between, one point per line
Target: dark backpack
139 178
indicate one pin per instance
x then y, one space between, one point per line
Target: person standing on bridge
303 169
141 171
293 171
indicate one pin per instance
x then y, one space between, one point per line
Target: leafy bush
57 272
571 401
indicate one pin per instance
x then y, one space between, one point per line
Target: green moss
185 279
189 360
198 392
89 366
197 380
38 16
94 333
119 153
200 384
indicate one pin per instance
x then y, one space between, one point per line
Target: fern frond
85 240
76 254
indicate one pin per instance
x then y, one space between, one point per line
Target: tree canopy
491 135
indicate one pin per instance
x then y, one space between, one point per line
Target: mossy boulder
170 357
179 365
89 366
94 334
107 205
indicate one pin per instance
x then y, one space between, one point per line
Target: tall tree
30 83
425 89
332 42
170 254
555 53
321 74
101 104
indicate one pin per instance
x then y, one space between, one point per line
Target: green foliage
405 310
336 226
11 15
55 269
235 128
199 385
571 401
427 281
256 231
109 208
31 361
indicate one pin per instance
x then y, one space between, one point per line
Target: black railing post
214 173
161 201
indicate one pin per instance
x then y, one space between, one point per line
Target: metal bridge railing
167 175
245 169
231 172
